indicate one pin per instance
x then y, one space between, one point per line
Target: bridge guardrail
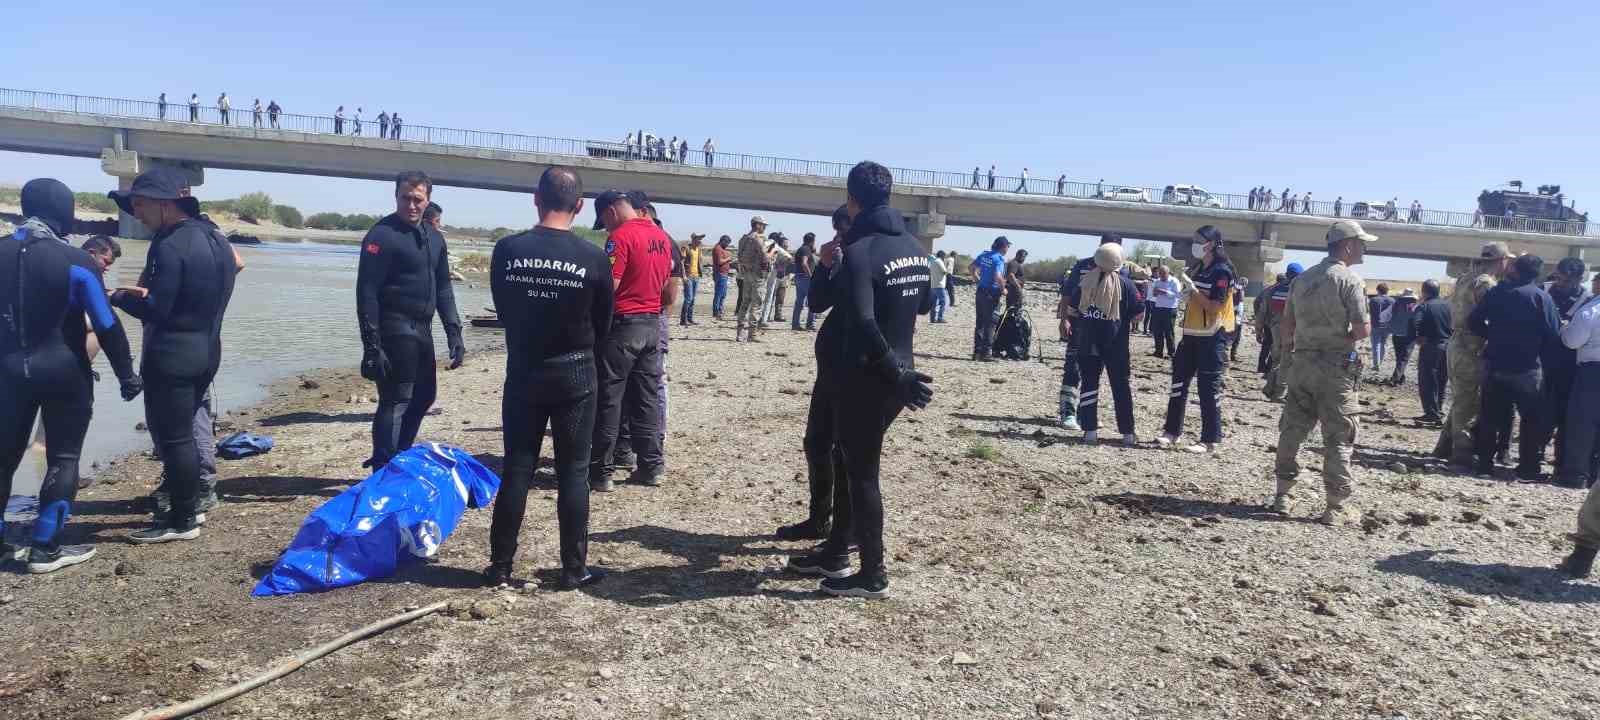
181 112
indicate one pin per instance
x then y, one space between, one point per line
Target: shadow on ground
1148 504
1529 584
314 418
1041 422
279 488
700 577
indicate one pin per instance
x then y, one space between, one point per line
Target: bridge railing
244 116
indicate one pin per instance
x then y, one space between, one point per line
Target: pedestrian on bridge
394 128
1287 201
1061 184
194 107
974 176
1305 206
255 113
224 106
356 128
991 177
338 121
161 107
683 151
1022 187
1255 198
383 124
272 113
1416 212
1338 206
710 150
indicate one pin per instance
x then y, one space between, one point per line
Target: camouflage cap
757 220
1346 229
1494 251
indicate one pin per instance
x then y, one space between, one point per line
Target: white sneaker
1070 424
1202 449
1091 437
1130 440
1280 504
1166 441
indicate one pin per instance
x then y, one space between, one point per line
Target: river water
293 310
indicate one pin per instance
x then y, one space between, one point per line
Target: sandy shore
1054 580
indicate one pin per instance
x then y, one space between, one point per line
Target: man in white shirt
1022 187
710 150
224 106
1164 295
1583 423
936 272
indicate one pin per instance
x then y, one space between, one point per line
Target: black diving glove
374 364
910 386
458 350
132 385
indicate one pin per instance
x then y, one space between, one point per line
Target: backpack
1015 335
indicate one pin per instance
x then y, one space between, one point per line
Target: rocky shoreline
1038 577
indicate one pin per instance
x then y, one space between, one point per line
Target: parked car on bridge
1189 195
1127 194
1370 210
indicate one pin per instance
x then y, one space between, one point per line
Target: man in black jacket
402 279
1430 329
882 287
189 273
1518 320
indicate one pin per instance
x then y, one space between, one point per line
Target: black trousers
1203 357
1402 356
559 394
1504 393
825 470
67 405
1431 374
988 308
1233 342
1579 457
1264 358
629 364
1161 326
169 407
866 408
404 396
1115 364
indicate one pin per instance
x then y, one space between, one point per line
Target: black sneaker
590 576
805 530
861 585
826 565
602 485
497 574
626 461
166 531
42 561
647 478
1580 563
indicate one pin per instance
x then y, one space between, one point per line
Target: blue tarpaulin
399 514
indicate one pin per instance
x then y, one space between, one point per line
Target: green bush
287 216
1048 270
253 206
360 222
97 202
325 221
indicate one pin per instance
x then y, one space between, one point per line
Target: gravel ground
1047 579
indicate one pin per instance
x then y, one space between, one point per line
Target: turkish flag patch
1222 283
372 248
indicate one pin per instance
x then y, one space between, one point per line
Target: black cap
602 202
161 183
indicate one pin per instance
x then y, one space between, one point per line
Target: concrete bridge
129 136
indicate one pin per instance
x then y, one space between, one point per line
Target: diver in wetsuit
403 276
190 271
553 291
44 363
882 285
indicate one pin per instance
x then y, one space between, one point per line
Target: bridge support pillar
928 227
125 165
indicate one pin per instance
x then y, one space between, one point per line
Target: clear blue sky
1426 101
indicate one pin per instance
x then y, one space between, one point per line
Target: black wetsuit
190 271
46 287
553 291
402 279
825 470
877 294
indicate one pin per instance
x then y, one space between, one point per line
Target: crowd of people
390 124
587 342
645 145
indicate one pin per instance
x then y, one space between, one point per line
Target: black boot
1579 563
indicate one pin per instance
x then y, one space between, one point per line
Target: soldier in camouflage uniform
1325 317
1268 317
1465 356
754 266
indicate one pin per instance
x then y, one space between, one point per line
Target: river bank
1038 578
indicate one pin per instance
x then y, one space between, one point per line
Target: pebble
203 665
606 673
1464 601
997 381
7 599
1468 516
1046 707
123 567
1224 661
310 384
1399 467
1490 523
962 659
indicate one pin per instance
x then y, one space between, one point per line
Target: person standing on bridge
1202 353
1416 212
394 128
355 128
194 107
710 151
1061 184
255 113
554 291
1338 206
383 124
1305 205
1254 198
224 106
991 177
161 107
683 151
974 176
988 272
272 113
754 267
1022 185
402 281
338 121
1321 325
